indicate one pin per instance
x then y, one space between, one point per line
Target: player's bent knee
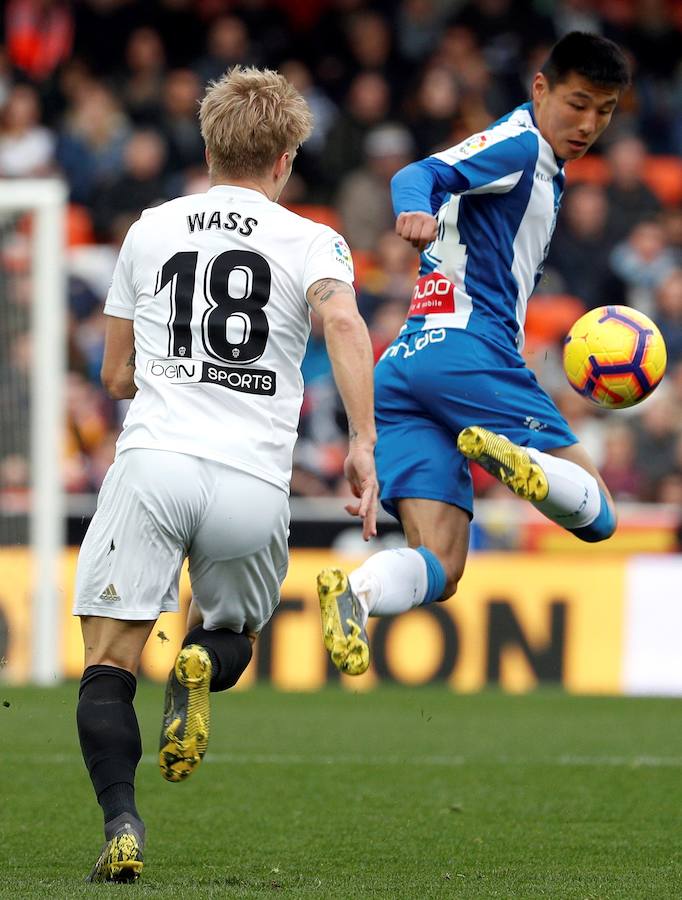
451 584
601 528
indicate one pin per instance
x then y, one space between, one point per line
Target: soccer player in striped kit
453 386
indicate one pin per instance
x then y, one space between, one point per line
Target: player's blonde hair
249 118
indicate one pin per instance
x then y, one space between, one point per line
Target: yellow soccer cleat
509 463
121 858
186 714
344 634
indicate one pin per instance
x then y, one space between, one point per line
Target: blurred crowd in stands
104 94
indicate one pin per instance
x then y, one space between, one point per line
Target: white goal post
45 200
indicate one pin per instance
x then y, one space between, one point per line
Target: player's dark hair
597 59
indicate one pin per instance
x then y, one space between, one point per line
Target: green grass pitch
397 793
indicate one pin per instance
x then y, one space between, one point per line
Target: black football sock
230 654
110 737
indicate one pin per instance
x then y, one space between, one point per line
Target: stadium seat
550 317
592 169
318 212
663 174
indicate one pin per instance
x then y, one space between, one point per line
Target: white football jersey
216 285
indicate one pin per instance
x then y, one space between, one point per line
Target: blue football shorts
429 385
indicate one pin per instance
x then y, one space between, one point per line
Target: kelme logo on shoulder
195 371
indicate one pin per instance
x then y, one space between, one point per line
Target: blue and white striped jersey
496 197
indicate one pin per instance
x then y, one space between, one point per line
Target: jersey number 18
234 327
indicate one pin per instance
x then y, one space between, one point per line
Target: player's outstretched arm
350 352
118 365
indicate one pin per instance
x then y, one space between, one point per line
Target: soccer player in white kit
208 318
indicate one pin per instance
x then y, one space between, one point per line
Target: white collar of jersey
238 191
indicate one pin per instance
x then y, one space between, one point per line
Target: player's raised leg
110 739
237 561
562 483
393 581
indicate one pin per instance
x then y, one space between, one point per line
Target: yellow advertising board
515 621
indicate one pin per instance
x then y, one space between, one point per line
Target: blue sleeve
421 186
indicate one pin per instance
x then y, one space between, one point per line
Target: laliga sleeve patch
341 253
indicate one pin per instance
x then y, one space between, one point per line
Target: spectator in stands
388 319
642 262
367 104
389 277
506 30
179 124
668 314
417 28
38 36
370 47
91 142
328 53
623 477
310 161
26 147
364 199
656 429
579 251
481 98
141 85
141 183
671 220
88 424
435 107
575 15
322 427
228 44
628 196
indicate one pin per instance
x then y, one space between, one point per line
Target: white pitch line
287 759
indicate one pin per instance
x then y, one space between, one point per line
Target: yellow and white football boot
186 714
509 463
343 629
121 857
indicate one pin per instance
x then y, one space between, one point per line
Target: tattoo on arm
352 430
131 361
327 287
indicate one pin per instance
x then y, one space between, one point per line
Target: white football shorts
157 507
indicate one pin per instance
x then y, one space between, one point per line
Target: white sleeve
328 257
120 300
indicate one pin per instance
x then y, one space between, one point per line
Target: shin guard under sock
110 737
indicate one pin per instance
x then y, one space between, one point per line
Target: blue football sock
435 575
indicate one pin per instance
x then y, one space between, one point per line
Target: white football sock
573 500
390 582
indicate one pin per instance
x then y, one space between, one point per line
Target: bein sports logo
191 371
186 371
